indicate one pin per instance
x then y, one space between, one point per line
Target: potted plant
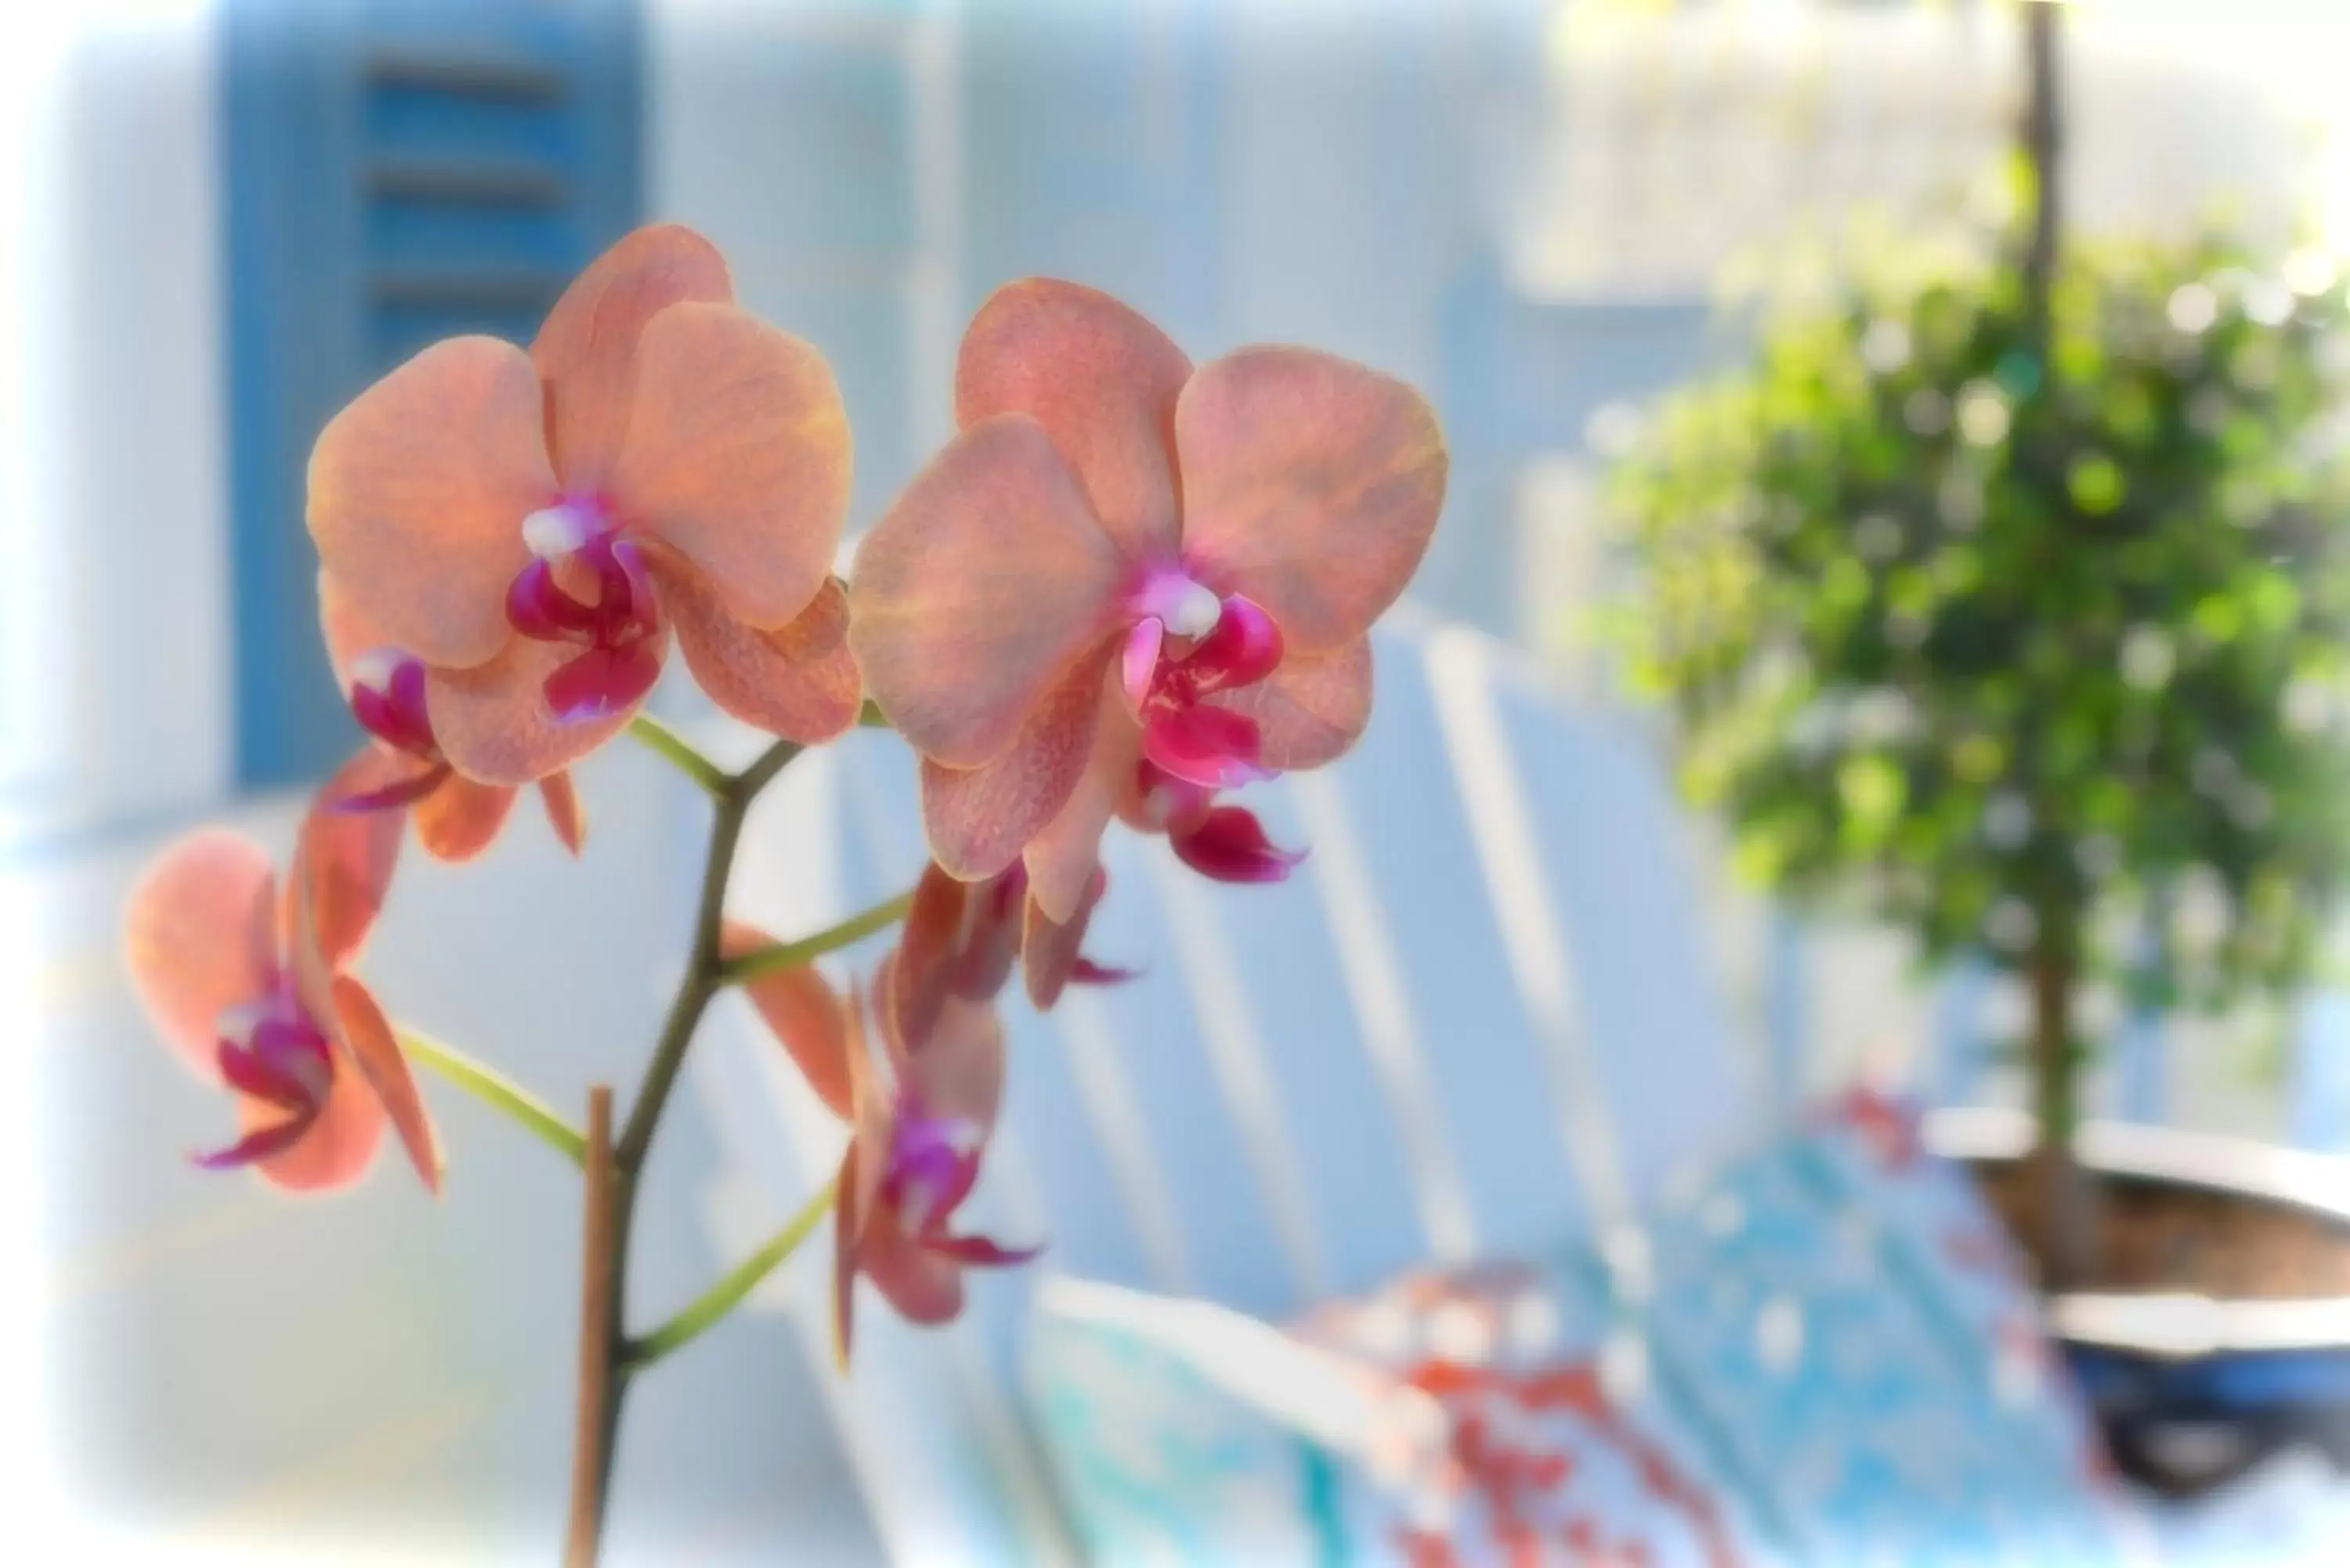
2005 599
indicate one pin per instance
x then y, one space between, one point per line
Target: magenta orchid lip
271 1052
615 629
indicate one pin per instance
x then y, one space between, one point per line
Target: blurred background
225 217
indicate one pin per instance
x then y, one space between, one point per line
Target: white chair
1480 1019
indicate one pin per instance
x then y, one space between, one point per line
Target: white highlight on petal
1183 605
375 668
553 531
1196 611
236 1024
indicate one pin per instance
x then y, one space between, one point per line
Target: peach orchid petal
339 1146
367 1040
1311 710
1049 948
348 856
978 820
937 924
974 596
737 457
586 352
1064 857
959 1068
797 682
1101 380
564 812
804 1014
493 723
200 934
418 491
1310 484
872 1123
346 628
872 1097
460 818
853 1188
925 1287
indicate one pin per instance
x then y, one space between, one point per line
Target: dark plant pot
2195 1386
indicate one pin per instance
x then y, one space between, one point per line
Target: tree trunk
2057 1192
2043 142
2060 1196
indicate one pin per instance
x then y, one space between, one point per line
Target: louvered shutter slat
401 170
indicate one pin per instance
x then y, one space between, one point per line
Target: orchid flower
919 1116
456 818
920 1120
1119 558
531 527
250 988
961 938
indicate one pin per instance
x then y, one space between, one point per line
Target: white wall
116 625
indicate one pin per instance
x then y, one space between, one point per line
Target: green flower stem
498 1092
724 1297
730 800
792 955
870 716
658 737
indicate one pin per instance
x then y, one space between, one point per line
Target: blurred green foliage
2043 657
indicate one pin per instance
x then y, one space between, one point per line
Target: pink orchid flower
456 818
1120 557
250 988
960 939
1224 843
919 1119
532 527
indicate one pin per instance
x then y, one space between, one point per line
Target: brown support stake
588 1467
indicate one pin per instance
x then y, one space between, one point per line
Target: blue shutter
397 170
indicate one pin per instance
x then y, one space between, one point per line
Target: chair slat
1150 1036
1588 813
1489 1090
1234 1048
1533 940
1364 1120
